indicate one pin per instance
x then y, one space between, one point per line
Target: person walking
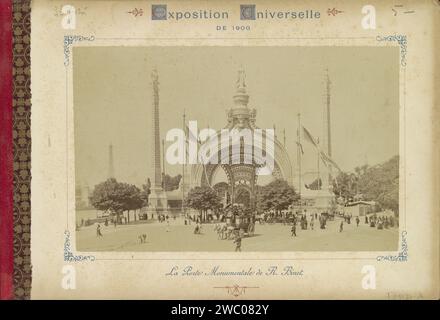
219 232
293 230
341 226
357 221
224 232
237 244
98 231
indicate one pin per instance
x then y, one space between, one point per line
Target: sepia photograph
236 149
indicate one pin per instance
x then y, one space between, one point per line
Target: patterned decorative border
68 41
68 254
6 154
401 41
401 256
21 122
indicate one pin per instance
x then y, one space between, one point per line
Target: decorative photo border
401 255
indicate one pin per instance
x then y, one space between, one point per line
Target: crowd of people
381 222
300 219
307 221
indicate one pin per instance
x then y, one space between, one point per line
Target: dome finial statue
154 75
241 81
241 98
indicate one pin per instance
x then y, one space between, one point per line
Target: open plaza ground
267 237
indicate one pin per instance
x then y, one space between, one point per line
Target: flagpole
317 149
163 164
329 137
183 165
299 158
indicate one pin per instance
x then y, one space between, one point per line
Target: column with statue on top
157 202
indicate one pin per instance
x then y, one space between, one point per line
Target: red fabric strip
6 153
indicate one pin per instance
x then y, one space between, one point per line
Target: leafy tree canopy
378 183
277 195
116 196
202 199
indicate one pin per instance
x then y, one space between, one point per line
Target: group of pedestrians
380 222
303 221
223 232
306 221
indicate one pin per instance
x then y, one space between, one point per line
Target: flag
190 135
299 144
309 137
199 143
300 147
324 157
328 161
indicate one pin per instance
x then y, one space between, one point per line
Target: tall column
163 165
157 179
157 198
183 166
327 146
111 169
299 155
329 135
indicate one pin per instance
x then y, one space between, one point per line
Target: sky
113 101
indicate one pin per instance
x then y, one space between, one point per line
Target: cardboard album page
228 150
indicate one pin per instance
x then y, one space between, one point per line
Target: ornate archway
241 175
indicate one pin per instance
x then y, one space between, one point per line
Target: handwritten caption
217 271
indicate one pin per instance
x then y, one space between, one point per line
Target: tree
106 196
378 183
203 199
116 197
381 183
277 195
134 199
345 185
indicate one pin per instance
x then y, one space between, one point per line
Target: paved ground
274 237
